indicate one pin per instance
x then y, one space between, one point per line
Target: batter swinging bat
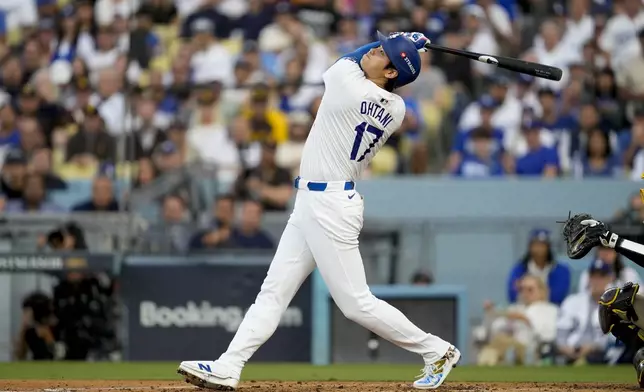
516 65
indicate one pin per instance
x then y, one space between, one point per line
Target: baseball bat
512 64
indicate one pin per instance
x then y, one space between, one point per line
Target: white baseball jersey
619 38
355 118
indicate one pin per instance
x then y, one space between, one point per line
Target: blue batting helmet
403 55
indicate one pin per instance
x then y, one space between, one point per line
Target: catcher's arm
582 233
629 249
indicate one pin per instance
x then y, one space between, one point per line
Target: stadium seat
385 162
432 117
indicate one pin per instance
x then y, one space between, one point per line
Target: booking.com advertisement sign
190 309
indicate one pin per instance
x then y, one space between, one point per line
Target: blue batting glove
419 40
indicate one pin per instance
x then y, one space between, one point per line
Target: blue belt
322 186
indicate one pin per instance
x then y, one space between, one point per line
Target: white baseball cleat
209 374
434 374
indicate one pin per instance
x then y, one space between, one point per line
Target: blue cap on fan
601 267
540 234
403 55
487 102
532 125
525 79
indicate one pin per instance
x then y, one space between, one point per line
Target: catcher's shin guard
617 302
630 335
638 362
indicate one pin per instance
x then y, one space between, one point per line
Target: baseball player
621 309
357 115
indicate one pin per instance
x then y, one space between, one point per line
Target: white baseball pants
323 230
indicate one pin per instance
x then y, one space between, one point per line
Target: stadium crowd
142 87
552 316
135 90
129 91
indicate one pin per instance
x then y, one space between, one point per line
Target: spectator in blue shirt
539 160
598 160
431 22
9 133
13 173
560 124
348 38
67 39
249 234
484 160
144 43
607 99
218 234
414 112
552 118
102 199
3 25
463 145
510 6
589 119
208 10
539 261
260 14
34 198
46 34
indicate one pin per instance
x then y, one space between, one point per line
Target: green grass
300 372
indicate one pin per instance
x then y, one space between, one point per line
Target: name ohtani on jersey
376 111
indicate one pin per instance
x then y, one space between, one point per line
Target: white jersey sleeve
355 119
345 72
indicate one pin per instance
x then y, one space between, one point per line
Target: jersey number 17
360 130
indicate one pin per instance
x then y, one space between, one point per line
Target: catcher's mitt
581 237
